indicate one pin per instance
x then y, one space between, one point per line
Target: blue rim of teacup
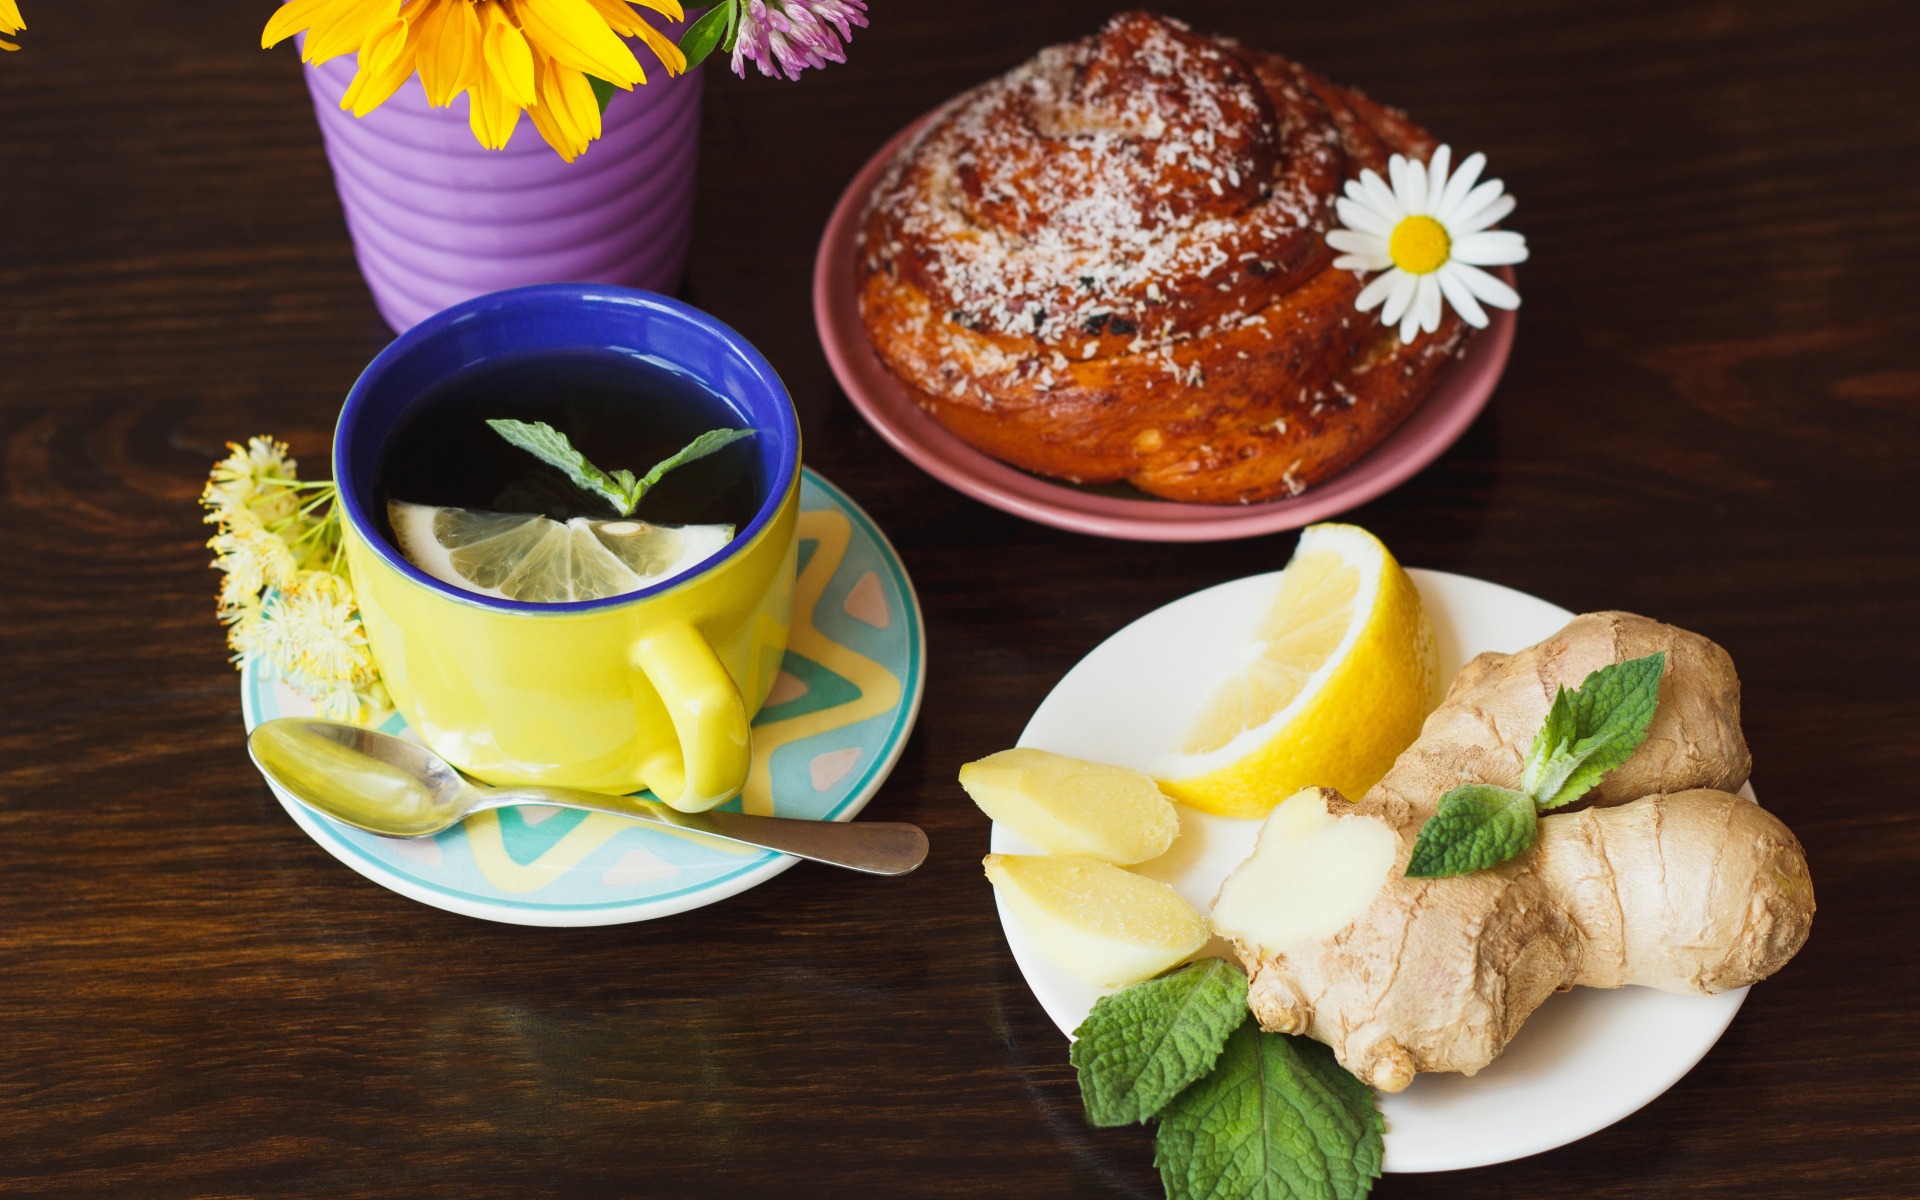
785 479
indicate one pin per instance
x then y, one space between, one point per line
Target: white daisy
1429 234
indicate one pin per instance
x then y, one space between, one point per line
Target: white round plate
1583 1061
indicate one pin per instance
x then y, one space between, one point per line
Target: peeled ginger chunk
1312 873
1108 926
1065 805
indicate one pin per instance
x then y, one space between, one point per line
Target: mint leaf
602 91
1591 731
1140 1047
1278 1119
1476 826
619 489
705 35
551 446
700 447
1557 732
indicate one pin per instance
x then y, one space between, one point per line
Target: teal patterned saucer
836 721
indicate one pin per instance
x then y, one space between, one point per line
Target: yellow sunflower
10 22
539 57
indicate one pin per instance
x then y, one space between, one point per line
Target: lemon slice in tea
537 560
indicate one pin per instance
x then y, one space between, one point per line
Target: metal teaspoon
384 785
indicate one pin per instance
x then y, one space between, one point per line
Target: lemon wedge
1335 683
518 556
1106 925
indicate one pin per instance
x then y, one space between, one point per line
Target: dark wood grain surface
1710 417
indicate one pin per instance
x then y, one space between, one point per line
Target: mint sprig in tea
564 479
620 488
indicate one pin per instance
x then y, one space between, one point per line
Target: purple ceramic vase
437 219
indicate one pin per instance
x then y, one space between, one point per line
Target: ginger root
1665 879
1484 726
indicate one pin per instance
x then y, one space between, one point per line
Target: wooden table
1709 417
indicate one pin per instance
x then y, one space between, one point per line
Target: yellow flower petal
671 56
509 58
568 115
448 50
669 9
623 20
488 49
492 113
576 36
569 91
7 45
347 27
385 64
555 135
619 18
292 17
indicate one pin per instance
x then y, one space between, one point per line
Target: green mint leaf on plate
704 36
1476 826
1558 732
1277 1119
602 92
1591 731
551 446
1141 1047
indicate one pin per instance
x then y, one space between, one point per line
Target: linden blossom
284 595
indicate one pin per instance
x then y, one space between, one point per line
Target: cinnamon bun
1111 264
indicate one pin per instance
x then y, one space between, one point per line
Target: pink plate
1455 400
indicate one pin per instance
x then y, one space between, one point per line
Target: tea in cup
529 629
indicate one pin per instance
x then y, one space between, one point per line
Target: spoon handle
875 847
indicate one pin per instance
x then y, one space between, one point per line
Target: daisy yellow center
1419 245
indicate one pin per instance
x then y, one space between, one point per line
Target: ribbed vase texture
437 219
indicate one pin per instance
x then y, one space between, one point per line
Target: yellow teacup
654 689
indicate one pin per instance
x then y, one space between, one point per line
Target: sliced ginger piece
1108 926
1311 874
1066 805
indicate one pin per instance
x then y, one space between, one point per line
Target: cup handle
709 719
